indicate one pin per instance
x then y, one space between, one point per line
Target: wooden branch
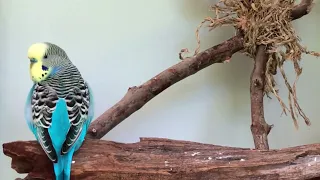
164 159
169 159
259 128
137 97
302 9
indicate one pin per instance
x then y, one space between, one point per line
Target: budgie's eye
32 60
45 56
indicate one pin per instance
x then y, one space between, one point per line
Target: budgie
59 106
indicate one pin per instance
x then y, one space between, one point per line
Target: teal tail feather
58 168
67 164
62 168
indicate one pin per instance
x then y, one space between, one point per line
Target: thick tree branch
164 159
137 97
259 128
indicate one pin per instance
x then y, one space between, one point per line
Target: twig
259 128
302 9
137 97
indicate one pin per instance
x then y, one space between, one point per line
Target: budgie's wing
43 103
78 103
28 112
91 107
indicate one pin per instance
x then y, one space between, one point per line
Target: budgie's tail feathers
67 164
58 168
62 169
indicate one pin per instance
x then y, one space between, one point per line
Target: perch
165 159
155 158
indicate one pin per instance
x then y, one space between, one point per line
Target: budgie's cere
59 106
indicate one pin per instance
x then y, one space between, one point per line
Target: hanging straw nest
265 22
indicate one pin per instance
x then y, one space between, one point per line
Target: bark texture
259 128
165 159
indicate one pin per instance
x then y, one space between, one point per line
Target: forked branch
138 96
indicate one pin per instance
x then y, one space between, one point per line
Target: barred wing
43 103
78 107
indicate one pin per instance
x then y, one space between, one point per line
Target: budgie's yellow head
46 59
36 55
